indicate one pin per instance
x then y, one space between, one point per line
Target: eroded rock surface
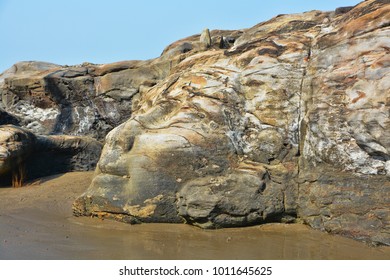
346 126
84 100
24 155
87 99
15 146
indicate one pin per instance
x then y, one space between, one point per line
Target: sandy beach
36 222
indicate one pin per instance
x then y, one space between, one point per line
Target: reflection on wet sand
276 241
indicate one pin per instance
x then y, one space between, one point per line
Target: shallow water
87 238
36 223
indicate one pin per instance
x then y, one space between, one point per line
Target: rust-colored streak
360 96
198 80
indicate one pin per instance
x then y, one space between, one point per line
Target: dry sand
36 222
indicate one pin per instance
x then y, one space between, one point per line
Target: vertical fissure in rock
300 106
301 115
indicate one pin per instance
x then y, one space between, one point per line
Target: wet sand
36 222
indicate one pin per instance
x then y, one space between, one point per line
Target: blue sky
76 31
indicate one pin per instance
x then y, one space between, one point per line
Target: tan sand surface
36 222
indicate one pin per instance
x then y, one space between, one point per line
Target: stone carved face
194 149
227 138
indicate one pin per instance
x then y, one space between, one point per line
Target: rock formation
80 100
24 155
285 121
205 38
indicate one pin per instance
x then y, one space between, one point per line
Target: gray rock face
85 100
346 126
25 156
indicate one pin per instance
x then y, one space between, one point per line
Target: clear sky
76 31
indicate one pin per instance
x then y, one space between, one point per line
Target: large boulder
84 100
24 155
216 144
15 146
290 122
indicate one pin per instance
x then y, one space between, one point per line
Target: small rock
343 10
205 38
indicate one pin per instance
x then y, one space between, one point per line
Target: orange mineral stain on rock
198 80
360 96
139 211
383 62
